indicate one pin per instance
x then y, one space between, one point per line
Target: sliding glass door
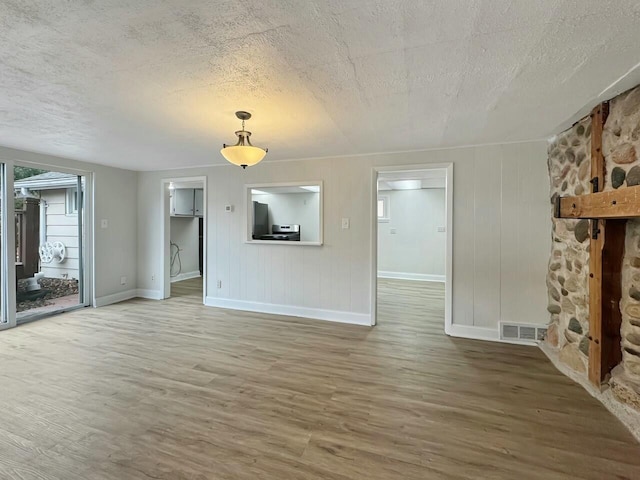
3 261
50 240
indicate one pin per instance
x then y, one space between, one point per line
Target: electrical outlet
153 278
441 229
123 280
345 223
392 231
104 223
219 283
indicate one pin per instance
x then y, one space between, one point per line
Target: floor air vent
520 332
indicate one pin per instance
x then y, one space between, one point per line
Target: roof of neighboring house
47 181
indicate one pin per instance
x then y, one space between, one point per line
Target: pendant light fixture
243 153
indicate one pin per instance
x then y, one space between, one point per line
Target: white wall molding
421 277
292 311
186 276
149 294
115 298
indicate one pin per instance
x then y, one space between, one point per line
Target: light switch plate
345 223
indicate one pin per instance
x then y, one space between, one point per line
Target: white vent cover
522 332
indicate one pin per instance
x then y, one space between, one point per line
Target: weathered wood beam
597 368
621 203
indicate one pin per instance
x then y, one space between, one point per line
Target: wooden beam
608 212
597 368
621 203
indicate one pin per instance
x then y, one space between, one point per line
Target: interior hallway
175 390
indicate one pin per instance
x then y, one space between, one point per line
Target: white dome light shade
243 153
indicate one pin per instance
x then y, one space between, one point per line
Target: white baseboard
185 276
421 277
149 294
115 298
270 308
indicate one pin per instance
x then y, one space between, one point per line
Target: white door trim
373 294
165 215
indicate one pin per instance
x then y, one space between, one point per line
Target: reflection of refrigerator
260 219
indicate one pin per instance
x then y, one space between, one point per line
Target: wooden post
608 212
599 234
30 236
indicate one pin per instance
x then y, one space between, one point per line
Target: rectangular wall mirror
284 213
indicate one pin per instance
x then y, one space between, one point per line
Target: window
383 208
72 201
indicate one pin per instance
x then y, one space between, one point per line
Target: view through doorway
413 243
184 235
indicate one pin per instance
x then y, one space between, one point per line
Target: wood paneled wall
501 234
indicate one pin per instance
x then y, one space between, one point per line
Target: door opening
184 244
412 244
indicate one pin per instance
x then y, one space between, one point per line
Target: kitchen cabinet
187 202
198 199
183 201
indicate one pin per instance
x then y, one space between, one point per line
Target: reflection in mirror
285 212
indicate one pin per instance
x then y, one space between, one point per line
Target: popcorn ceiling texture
151 85
567 280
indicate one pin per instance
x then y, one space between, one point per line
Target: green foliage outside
20 173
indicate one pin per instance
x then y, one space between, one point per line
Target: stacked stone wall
567 281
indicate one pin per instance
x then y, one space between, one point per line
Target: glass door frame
85 223
8 247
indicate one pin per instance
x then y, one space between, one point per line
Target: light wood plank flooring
174 390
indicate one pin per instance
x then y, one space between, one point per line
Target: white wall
115 201
501 235
416 247
184 232
61 228
294 208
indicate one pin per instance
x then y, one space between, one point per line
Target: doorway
412 243
50 241
184 237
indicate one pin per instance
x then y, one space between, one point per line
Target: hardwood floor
175 390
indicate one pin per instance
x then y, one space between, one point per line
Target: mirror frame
249 215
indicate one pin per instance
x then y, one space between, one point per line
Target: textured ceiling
152 84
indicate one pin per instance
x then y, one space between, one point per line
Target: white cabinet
198 202
187 202
183 201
